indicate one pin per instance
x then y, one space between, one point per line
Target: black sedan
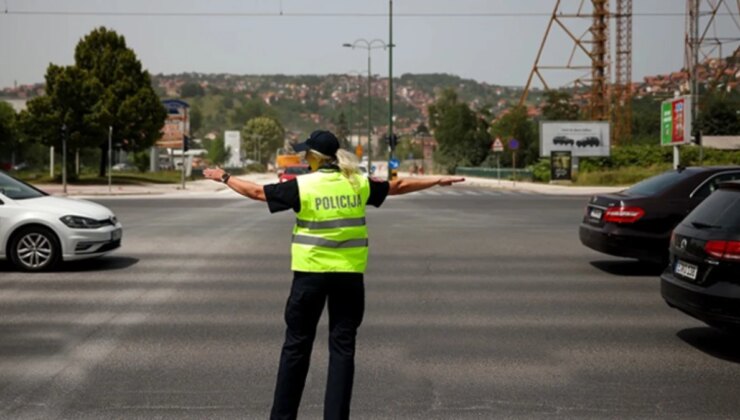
703 277
637 222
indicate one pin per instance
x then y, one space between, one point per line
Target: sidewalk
208 187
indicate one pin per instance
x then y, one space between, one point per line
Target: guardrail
506 173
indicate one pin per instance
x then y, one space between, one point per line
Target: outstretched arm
245 188
407 185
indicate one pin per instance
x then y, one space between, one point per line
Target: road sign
675 121
498 145
394 163
513 144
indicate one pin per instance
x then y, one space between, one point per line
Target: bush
656 155
256 167
142 161
541 170
620 176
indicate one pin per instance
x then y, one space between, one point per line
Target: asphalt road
480 305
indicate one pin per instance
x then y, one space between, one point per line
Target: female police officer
329 256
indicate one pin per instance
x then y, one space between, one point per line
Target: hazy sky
494 46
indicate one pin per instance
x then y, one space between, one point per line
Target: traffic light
392 141
185 143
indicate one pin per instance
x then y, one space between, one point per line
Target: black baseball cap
321 141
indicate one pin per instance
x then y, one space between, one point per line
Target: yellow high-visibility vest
330 234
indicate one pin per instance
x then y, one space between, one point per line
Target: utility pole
369 118
110 158
390 86
64 158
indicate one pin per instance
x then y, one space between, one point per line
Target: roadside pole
182 173
676 157
498 148
514 146
110 158
64 159
51 162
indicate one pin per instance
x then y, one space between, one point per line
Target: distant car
637 222
562 141
38 231
588 142
703 277
124 167
20 166
291 172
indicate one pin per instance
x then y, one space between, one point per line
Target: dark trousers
345 294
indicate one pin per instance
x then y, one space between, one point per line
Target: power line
323 14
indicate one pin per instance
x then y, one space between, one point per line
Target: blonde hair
347 162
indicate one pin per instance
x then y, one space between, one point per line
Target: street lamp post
369 46
390 85
351 112
64 158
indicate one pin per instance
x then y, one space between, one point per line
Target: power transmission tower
703 46
622 117
592 45
599 100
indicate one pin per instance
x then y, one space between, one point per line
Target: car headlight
78 222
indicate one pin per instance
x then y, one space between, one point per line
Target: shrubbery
629 164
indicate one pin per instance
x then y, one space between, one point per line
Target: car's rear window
721 209
658 183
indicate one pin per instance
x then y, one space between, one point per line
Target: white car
37 231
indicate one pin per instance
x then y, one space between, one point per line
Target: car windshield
721 209
296 170
17 190
658 183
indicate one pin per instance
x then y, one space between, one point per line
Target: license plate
596 214
687 270
116 235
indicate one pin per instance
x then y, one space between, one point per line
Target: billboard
675 121
581 138
233 141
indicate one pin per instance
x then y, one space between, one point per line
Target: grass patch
619 176
119 178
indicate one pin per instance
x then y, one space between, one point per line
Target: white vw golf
37 231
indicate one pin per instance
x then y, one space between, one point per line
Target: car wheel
34 249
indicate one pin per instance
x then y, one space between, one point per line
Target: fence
506 173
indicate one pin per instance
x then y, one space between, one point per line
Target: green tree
408 149
461 134
342 130
217 153
261 137
559 106
516 125
646 121
105 87
196 120
252 109
719 116
8 136
191 90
